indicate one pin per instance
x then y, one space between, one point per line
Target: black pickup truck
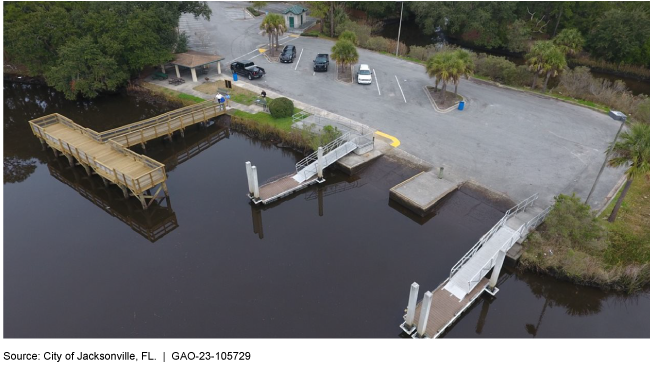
248 69
321 62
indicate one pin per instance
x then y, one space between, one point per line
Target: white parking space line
376 81
255 50
400 88
297 63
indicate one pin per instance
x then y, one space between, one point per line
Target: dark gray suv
288 54
321 62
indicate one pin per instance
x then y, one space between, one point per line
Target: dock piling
249 175
410 310
424 314
319 165
501 255
256 186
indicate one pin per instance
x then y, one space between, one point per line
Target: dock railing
486 237
531 224
326 149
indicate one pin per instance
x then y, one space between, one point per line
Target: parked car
364 75
288 54
247 68
321 62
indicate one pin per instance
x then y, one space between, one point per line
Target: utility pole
399 31
605 162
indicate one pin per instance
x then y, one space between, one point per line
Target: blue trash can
461 105
234 77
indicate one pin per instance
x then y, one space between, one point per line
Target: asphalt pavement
512 142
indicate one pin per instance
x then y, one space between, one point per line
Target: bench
159 76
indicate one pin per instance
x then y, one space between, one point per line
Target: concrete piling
256 187
319 165
424 313
501 255
413 301
442 169
249 175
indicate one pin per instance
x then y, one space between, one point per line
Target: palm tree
464 67
268 27
348 36
442 66
633 148
570 41
554 62
279 27
536 58
345 53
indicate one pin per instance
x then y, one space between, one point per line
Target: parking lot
510 141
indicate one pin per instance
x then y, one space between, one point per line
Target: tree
569 41
442 66
123 37
554 63
463 66
259 4
344 53
348 36
535 59
620 36
319 10
518 36
84 69
268 27
633 149
279 27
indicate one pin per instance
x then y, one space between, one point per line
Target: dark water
411 35
335 260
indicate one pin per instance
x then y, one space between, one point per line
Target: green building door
290 22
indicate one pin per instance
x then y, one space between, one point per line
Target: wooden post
410 310
249 176
256 187
424 313
501 255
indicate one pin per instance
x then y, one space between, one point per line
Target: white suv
364 76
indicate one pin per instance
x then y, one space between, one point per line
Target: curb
435 106
612 193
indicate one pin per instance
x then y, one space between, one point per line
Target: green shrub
377 44
281 108
362 31
253 11
349 36
496 68
520 76
311 33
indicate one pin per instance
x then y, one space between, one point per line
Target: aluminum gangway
308 170
467 279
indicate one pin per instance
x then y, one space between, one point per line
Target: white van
364 76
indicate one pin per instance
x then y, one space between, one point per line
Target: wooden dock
446 308
105 154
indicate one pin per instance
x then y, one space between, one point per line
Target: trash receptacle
234 77
461 105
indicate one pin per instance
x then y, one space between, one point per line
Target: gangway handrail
326 149
486 237
534 222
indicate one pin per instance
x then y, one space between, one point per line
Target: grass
237 94
172 94
265 118
253 11
629 235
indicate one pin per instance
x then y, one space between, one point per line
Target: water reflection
334 184
152 224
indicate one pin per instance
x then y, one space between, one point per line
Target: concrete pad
421 192
351 163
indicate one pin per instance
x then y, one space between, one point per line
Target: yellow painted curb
294 35
396 141
262 50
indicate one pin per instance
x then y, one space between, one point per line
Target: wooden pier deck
105 154
446 308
